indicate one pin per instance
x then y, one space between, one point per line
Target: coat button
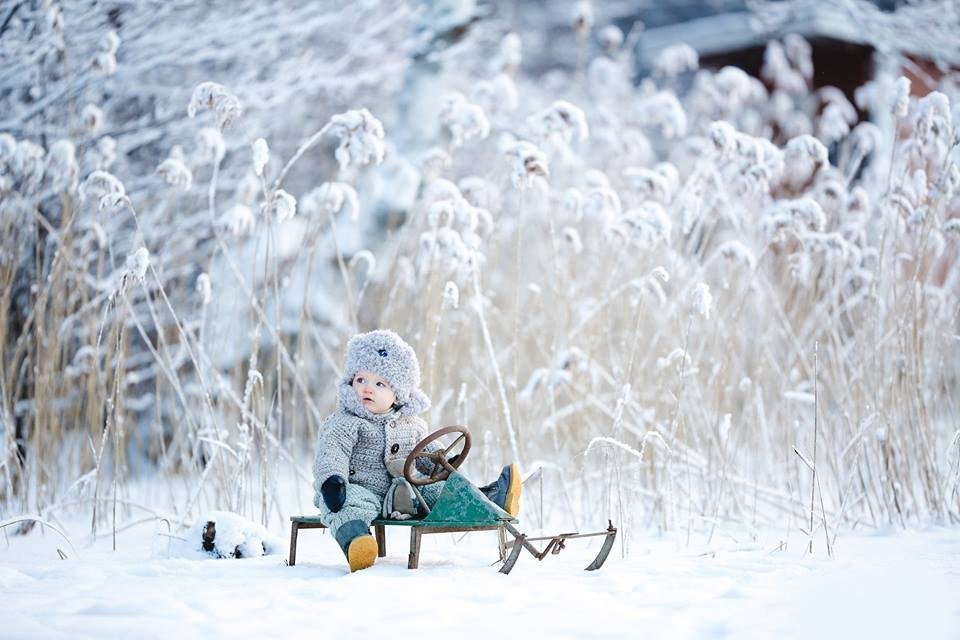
395 448
393 424
353 472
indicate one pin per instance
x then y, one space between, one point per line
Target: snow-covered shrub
222 534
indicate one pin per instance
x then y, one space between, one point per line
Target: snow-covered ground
881 585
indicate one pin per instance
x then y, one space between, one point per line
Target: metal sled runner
461 507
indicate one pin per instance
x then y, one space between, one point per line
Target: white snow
885 585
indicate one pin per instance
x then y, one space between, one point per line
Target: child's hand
334 492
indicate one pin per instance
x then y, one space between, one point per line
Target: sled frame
555 544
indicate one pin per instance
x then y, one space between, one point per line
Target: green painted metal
460 504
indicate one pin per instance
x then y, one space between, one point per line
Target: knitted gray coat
353 443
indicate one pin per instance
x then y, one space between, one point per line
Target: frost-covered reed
623 286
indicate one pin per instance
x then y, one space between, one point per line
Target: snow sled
461 507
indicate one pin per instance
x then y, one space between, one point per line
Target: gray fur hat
385 353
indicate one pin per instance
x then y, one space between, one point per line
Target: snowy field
884 585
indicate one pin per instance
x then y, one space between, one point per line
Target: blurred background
692 264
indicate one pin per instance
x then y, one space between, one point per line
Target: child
379 394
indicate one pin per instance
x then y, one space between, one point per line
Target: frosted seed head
610 38
464 120
261 155
365 258
175 172
582 17
451 296
529 163
361 138
702 300
434 162
106 152
674 60
901 97
99 184
238 220
281 205
137 264
560 124
204 289
62 168
509 56
572 238
215 97
92 117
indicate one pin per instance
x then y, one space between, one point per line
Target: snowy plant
788 73
134 271
805 221
106 153
92 117
572 238
610 38
601 203
901 101
559 125
509 56
451 295
675 59
529 164
330 198
465 121
837 117
204 288
215 97
480 192
647 225
102 186
582 17
361 137
663 110
62 168
803 157
174 171
497 95
281 205
651 184
239 220
105 59
702 300
261 155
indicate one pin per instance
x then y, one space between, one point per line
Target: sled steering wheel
442 467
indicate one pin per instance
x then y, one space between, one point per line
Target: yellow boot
358 545
505 490
362 552
512 502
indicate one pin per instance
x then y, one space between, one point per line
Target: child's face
373 392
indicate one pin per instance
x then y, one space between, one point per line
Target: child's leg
359 510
